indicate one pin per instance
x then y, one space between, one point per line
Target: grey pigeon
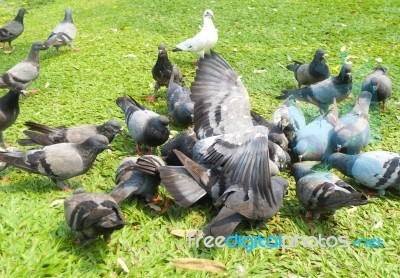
64 33
314 141
9 111
320 192
352 131
377 169
137 176
313 72
163 70
22 74
179 104
236 160
92 214
322 93
145 126
379 85
59 161
203 41
183 142
45 135
13 29
278 155
289 117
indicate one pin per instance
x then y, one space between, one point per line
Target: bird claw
67 189
150 98
308 217
31 92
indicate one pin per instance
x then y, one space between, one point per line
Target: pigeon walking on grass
60 161
203 41
313 72
146 127
40 134
12 30
92 214
379 85
64 33
25 72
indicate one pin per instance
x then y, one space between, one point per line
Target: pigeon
9 111
145 126
137 176
63 34
376 169
163 70
320 192
352 131
379 85
203 41
289 117
314 141
179 104
235 159
278 155
322 93
310 73
183 142
40 134
92 214
12 29
60 161
22 74
275 133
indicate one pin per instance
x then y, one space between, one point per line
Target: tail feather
37 138
26 142
40 127
148 165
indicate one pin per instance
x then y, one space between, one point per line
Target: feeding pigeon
278 155
22 74
179 104
92 214
12 29
320 192
163 70
322 93
377 169
45 135
60 161
237 151
183 142
352 131
9 111
310 73
203 41
137 176
379 85
289 117
145 126
64 33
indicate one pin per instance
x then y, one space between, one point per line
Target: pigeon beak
109 147
300 157
121 129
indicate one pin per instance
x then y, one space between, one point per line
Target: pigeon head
20 15
345 74
319 54
162 49
342 162
185 113
113 126
68 16
301 169
38 46
100 142
208 13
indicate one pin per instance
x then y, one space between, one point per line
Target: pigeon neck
68 17
20 17
207 22
11 98
34 55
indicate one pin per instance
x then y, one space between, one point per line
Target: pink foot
150 98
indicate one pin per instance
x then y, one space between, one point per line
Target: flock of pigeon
231 155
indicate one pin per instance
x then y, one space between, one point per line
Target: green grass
82 87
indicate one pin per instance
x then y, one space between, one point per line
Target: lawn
118 42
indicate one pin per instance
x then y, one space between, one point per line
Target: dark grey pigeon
322 93
13 29
60 161
22 74
92 214
183 142
64 33
323 192
162 71
313 72
9 111
146 127
377 169
379 85
352 131
278 155
137 176
45 135
237 152
179 104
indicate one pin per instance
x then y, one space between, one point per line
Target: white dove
203 41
